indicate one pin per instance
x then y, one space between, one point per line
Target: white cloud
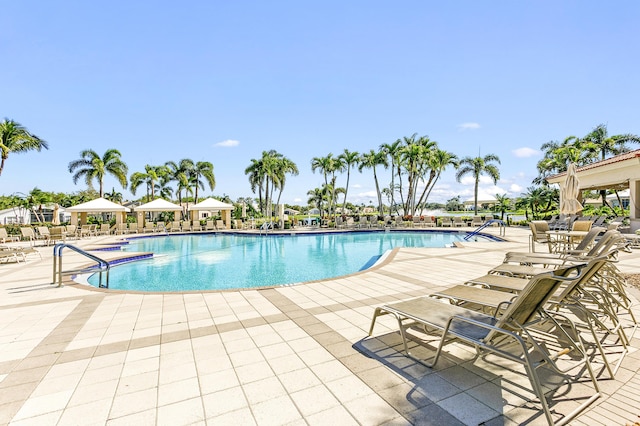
356 185
525 152
515 188
468 126
228 143
297 200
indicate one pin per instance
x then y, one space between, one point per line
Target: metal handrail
484 225
103 265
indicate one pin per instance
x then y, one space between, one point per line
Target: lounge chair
580 225
574 296
149 226
174 226
446 221
86 231
428 221
399 221
220 225
57 233
72 231
195 225
209 226
4 236
477 221
132 227
457 221
28 234
373 221
105 229
17 253
508 336
415 221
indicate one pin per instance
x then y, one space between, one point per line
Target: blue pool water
225 261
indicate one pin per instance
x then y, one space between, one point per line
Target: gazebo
99 205
619 173
157 205
212 205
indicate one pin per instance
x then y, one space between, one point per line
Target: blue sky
223 81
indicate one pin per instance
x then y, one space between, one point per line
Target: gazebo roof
211 204
99 205
158 205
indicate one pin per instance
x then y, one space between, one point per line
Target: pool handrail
103 265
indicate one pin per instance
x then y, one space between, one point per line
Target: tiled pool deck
292 355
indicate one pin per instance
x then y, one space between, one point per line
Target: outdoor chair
4 236
574 296
28 234
149 227
209 226
428 221
415 221
539 229
220 225
174 226
457 221
509 335
477 221
446 221
57 233
132 227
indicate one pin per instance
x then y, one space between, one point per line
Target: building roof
211 204
158 205
99 205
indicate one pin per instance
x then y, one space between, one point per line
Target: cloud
468 126
515 188
525 152
228 143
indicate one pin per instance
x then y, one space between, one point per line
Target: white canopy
99 205
211 204
158 205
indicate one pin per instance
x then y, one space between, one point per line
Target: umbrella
244 209
56 215
570 191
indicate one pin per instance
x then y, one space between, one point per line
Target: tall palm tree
370 160
179 172
438 161
348 160
202 173
477 166
284 167
256 180
329 165
602 144
16 138
503 204
91 166
393 151
150 178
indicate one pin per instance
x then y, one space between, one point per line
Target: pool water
227 261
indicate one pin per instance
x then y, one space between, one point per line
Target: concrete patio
274 356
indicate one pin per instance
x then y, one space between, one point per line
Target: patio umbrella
244 209
570 191
56 215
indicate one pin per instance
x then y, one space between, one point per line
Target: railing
503 227
103 265
265 227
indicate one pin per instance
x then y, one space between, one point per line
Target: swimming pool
226 261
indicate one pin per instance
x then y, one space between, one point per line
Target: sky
223 81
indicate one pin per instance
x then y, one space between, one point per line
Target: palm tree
180 174
150 177
348 160
393 151
114 196
317 197
202 170
16 138
503 204
256 180
476 167
370 160
328 165
92 166
438 161
602 144
284 167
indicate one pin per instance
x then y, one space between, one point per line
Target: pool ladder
103 265
500 223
